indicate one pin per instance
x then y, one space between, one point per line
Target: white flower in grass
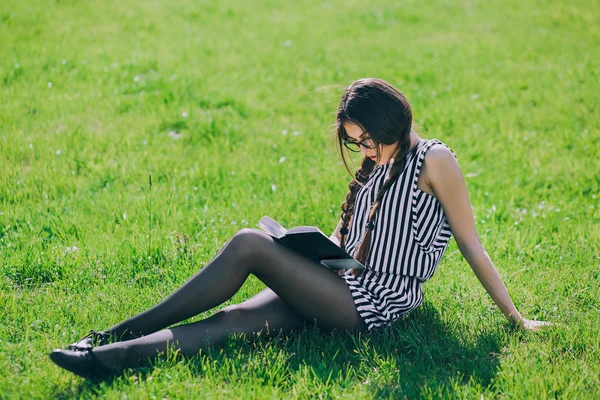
57 152
64 61
136 78
273 188
174 135
288 43
49 84
184 114
282 159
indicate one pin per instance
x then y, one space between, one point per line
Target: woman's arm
444 177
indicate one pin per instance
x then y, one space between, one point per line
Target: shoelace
95 336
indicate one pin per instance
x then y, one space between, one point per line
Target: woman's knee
247 243
237 319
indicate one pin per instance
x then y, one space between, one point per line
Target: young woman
406 200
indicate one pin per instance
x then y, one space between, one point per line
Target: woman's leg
162 314
264 313
309 289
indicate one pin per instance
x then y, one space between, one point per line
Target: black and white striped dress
410 235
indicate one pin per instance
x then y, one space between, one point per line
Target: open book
310 242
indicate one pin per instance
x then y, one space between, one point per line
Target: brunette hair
385 116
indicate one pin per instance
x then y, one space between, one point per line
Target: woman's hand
532 325
341 272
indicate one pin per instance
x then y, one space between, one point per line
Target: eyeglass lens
355 146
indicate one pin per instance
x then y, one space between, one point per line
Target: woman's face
355 133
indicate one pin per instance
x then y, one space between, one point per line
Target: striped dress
410 235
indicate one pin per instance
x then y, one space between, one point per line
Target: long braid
360 178
362 254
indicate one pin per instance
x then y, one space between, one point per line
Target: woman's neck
414 140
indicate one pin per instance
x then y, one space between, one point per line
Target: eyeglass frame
346 144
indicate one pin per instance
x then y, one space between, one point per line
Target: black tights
297 290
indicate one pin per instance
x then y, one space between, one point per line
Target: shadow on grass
432 357
416 356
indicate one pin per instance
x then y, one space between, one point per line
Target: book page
303 229
272 227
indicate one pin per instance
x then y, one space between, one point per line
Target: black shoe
82 363
90 341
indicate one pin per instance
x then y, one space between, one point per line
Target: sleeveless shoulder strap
420 157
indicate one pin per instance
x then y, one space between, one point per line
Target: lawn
229 107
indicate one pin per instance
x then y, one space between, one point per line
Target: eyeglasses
355 146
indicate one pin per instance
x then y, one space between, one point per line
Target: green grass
89 92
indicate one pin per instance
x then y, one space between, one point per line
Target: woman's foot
90 341
82 363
